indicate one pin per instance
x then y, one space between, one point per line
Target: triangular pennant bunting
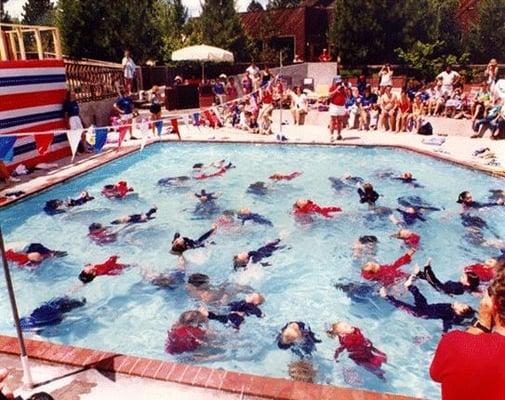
100 138
196 119
175 127
7 148
74 137
43 142
122 133
159 127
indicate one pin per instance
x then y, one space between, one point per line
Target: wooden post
38 41
3 46
21 43
57 43
14 47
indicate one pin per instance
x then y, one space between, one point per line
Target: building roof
286 20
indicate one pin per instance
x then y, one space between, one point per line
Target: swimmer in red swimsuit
360 349
33 254
117 191
188 334
486 271
281 177
304 207
410 238
109 267
387 274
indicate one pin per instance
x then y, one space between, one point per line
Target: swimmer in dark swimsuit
101 234
110 267
367 194
468 283
245 214
181 244
409 216
174 181
258 188
188 334
282 177
450 314
136 218
298 337
56 206
346 182
407 178
242 260
365 247
169 280
496 195
118 190
50 313
33 254
466 200
205 197
361 350
238 310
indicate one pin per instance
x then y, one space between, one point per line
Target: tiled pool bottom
218 379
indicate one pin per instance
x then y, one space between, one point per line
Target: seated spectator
231 89
325 56
246 84
388 106
404 107
492 72
219 90
469 365
449 79
493 120
365 102
436 102
299 105
417 112
481 102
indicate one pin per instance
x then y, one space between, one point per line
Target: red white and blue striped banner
32 94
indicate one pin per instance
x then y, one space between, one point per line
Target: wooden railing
93 80
21 42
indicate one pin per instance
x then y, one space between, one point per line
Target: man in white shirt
449 79
254 75
128 71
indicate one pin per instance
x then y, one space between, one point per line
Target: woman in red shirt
337 107
469 365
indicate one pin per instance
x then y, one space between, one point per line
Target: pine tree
171 16
4 15
38 12
486 37
272 4
221 27
255 6
96 29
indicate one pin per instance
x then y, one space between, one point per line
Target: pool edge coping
113 154
187 374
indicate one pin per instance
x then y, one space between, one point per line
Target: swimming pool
127 314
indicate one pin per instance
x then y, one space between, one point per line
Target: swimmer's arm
395 220
338 351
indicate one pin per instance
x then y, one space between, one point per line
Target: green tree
445 26
255 6
220 26
4 15
95 29
171 16
486 36
38 12
272 4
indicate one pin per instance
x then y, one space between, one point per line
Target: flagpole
27 376
280 102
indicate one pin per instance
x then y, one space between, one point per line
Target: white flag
144 133
74 137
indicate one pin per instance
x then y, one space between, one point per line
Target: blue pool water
126 314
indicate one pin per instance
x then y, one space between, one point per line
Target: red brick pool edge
194 375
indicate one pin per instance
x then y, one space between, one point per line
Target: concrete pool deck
456 149
152 375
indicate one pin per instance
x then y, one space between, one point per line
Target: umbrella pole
203 72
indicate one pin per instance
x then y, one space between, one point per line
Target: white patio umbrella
202 53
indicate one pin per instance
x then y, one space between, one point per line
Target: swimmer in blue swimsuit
367 194
243 259
246 215
50 313
56 206
205 197
181 244
136 218
173 181
450 314
258 188
238 310
297 337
